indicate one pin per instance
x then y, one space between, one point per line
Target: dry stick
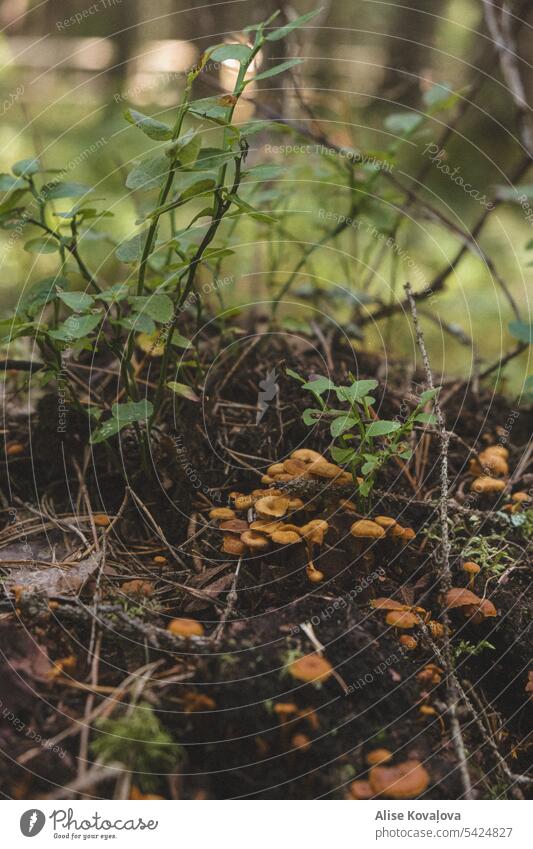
445 576
231 601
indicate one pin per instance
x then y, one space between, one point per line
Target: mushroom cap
186 628
315 531
366 529
360 790
311 668
102 520
159 559
322 469
408 642
471 567
284 537
493 463
346 504
378 756
385 522
232 545
501 450
519 497
407 534
384 603
300 741
294 467
486 485
233 526
404 781
255 541
295 504
343 479
222 513
267 479
137 587
401 619
306 455
460 597
486 608
272 506
275 469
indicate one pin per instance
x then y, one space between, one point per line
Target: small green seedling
362 443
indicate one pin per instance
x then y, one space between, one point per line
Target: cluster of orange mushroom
309 465
405 617
381 527
491 469
269 528
405 780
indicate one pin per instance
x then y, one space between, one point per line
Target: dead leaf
54 580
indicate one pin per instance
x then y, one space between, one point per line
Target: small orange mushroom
401 619
186 628
404 781
360 790
471 569
485 485
272 507
311 668
366 529
101 520
254 540
233 545
378 756
409 643
222 513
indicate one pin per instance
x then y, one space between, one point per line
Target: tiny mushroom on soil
403 781
485 485
186 628
311 668
471 569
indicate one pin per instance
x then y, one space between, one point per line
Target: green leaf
319 385
150 127
407 454
403 123
222 52
158 306
26 167
149 174
180 341
277 34
439 93
183 390
121 416
290 373
343 456
77 301
42 245
132 249
357 391
310 416
277 69
41 293
188 152
117 292
522 331
340 425
428 394
138 322
9 183
209 107
382 428
365 488
76 327
426 418
251 210
56 191
254 127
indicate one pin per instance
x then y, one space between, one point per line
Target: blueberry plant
164 259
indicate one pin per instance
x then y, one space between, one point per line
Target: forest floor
104 694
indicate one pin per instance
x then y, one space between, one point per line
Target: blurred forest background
65 81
